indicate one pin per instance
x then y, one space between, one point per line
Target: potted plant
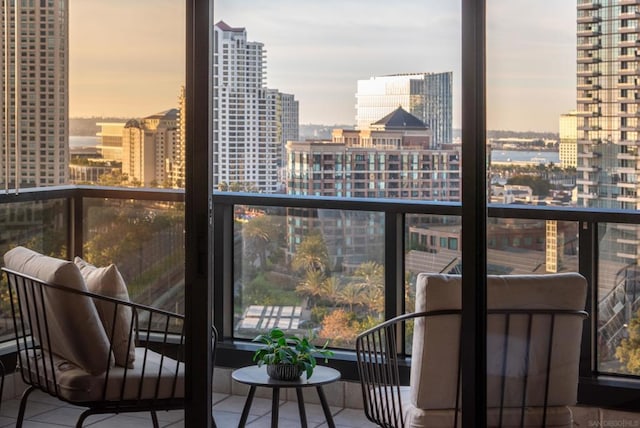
288 356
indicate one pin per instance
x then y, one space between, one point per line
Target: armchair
534 327
106 354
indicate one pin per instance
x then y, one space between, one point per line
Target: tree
369 279
311 254
258 232
628 352
338 327
351 295
538 185
331 288
311 285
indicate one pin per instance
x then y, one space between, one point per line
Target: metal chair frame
378 363
28 307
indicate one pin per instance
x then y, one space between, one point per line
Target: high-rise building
251 122
568 146
35 105
427 96
176 158
608 103
146 146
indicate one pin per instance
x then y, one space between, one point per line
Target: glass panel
308 270
125 93
527 246
145 239
39 225
283 100
432 245
618 299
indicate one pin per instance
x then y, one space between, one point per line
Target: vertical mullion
394 267
474 218
198 206
588 267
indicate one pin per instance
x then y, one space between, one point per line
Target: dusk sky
132 64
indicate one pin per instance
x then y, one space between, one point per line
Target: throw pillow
75 332
107 281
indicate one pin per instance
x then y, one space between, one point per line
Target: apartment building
608 103
394 158
250 121
146 146
427 96
35 58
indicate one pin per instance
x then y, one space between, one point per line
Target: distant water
525 156
83 141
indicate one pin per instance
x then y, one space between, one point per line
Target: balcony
46 218
628 30
589 5
589 73
588 19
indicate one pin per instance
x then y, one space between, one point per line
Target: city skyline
320 56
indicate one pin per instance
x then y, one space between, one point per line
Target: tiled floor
45 411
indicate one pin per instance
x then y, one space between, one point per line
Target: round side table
255 376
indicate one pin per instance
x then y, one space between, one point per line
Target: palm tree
369 276
351 295
331 289
311 285
311 254
258 231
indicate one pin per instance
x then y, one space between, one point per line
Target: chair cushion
107 281
153 372
75 330
559 416
436 340
556 417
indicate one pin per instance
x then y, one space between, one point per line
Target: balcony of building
589 5
71 221
589 19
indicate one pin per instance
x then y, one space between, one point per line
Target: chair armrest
377 361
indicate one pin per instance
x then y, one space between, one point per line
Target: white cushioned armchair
98 351
534 328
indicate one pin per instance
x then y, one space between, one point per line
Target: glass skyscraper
427 96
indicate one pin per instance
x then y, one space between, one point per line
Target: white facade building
250 121
568 146
147 146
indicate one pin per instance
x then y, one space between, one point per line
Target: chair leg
154 419
23 405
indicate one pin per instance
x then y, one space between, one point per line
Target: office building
568 145
251 122
35 130
427 96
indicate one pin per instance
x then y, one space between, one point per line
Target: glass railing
333 266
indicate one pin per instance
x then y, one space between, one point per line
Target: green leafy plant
280 348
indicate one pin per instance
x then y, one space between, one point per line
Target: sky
132 64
